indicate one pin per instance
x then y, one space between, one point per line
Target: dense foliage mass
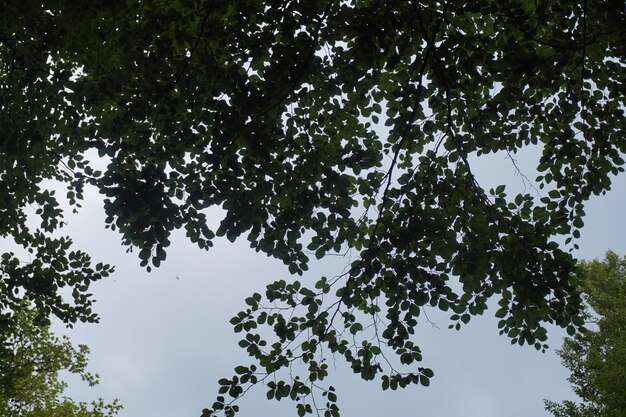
31 359
597 358
318 127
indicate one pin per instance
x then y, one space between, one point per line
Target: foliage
30 361
597 357
319 127
38 132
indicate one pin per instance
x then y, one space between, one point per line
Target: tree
319 127
597 357
30 361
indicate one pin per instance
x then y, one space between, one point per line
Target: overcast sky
163 342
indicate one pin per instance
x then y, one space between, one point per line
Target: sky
164 338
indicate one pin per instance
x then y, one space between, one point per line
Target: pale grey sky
163 342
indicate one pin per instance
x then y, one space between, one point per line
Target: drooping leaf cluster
322 127
40 141
597 357
31 358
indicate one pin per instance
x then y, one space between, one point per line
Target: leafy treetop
597 357
31 358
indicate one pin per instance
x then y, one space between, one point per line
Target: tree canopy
597 357
31 358
318 127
